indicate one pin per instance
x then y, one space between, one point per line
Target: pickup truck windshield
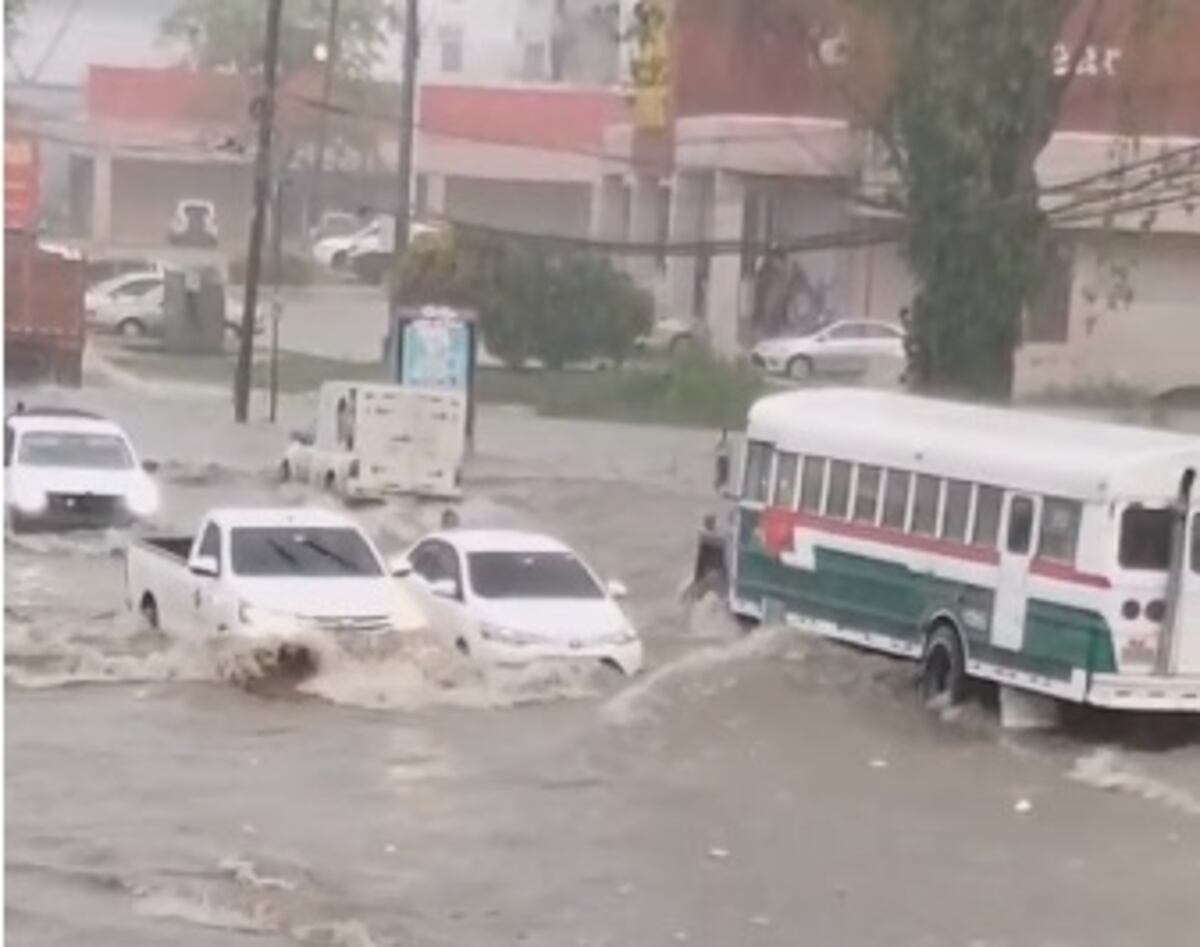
71 449
287 551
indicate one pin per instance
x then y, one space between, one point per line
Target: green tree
963 96
532 303
228 34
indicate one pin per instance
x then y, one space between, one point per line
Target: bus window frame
909 480
877 512
791 501
823 463
935 530
1007 525
744 493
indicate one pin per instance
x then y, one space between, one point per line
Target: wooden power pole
264 107
408 128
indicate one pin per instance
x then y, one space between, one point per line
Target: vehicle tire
148 610
131 328
800 368
943 677
285 472
330 482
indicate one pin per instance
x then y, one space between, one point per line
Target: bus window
958 508
1146 539
866 494
895 499
838 502
812 484
988 503
1060 529
925 505
1020 525
758 472
785 480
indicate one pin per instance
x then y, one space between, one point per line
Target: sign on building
650 63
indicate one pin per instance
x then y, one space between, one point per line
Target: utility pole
276 301
408 123
264 109
317 198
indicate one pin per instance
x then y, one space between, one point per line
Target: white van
372 440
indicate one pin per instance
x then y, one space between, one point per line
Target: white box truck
372 440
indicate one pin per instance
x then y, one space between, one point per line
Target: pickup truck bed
176 547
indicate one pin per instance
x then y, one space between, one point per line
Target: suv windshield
328 552
531 575
72 449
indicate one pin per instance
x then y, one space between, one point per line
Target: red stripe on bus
777 524
774 519
1047 569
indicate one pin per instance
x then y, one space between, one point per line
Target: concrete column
687 226
435 194
724 302
102 197
610 209
645 209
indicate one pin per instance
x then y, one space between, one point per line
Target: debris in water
681 936
720 854
390 848
248 829
1022 806
879 764
760 920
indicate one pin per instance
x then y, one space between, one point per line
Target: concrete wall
545 207
1152 343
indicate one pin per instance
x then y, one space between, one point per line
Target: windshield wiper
283 552
349 565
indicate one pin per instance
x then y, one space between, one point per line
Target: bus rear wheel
943 679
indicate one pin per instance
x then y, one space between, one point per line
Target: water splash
1113 771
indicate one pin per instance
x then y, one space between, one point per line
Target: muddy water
745 790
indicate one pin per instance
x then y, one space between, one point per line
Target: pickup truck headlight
142 497
30 499
508 636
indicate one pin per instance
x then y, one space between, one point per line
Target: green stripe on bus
873 595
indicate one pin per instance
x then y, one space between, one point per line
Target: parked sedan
130 304
846 347
515 598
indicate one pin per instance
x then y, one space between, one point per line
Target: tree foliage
974 102
229 34
961 97
533 303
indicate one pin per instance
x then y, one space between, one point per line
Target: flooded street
766 789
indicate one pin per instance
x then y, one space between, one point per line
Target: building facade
759 149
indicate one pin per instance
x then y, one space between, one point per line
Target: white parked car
72 470
846 347
669 335
268 573
130 304
334 251
515 598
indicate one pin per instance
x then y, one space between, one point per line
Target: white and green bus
1039 552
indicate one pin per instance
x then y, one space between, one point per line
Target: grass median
692 390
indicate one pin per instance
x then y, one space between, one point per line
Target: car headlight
142 497
30 498
508 636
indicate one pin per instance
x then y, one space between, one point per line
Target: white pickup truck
267 573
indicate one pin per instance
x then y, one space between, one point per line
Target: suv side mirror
151 466
617 589
443 588
205 566
399 566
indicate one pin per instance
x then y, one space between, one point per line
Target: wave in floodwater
411 671
243 898
1111 770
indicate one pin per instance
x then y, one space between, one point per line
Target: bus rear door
1012 585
